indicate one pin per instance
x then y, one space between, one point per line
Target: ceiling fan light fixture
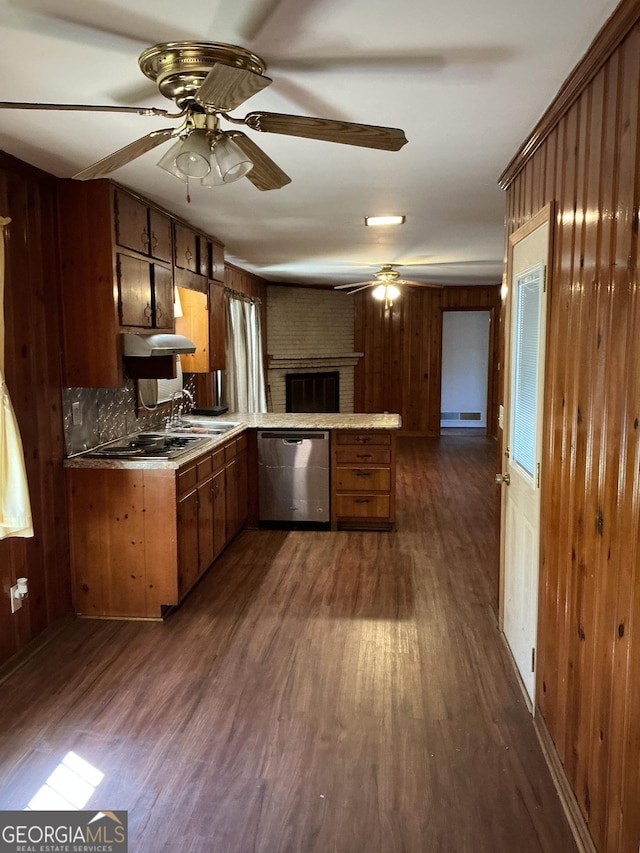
385 220
168 162
386 293
231 161
214 178
193 157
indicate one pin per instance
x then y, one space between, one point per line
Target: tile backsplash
106 414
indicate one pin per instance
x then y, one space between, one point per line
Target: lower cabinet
363 479
141 538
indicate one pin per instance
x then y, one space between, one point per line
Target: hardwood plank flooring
338 692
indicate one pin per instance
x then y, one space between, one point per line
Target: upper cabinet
187 255
143 228
203 322
120 259
197 258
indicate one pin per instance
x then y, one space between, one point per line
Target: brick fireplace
309 332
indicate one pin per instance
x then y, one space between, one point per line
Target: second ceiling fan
385 283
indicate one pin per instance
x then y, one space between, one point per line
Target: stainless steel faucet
176 412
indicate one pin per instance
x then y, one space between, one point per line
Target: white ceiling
466 80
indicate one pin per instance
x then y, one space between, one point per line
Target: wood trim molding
615 29
570 806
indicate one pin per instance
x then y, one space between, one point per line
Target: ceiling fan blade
351 287
90 108
125 155
265 175
328 130
226 87
355 284
417 283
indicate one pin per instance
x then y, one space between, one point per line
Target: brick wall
309 331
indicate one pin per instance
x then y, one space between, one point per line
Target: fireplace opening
313 392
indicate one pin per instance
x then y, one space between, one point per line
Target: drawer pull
360 473
362 500
363 439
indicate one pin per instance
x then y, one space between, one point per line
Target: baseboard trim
579 829
17 661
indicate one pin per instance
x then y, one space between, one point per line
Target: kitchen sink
193 426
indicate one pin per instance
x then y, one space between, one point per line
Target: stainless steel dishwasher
293 475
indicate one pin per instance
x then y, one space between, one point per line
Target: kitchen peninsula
144 530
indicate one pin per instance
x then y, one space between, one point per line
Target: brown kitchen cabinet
236 485
363 479
187 248
143 228
141 538
118 271
217 327
108 287
145 294
203 322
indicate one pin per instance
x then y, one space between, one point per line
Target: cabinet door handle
188 256
144 237
148 311
154 241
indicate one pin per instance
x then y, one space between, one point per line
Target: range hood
146 346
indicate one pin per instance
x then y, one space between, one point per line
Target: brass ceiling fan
385 283
206 80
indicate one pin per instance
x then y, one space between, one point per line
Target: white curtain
245 370
15 507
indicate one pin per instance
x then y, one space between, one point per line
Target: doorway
465 370
525 334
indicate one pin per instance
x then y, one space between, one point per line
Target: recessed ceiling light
384 220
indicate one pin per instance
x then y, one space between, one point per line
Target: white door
524 393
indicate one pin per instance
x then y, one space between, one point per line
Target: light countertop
244 420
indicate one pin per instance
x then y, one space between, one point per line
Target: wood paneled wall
587 160
33 375
402 365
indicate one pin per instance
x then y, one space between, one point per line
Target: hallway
318 692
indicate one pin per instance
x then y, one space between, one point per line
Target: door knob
503 478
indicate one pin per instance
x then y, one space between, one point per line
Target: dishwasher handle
293 436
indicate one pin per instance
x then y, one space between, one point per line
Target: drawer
204 467
241 443
363 456
217 459
362 438
363 506
229 451
363 479
187 479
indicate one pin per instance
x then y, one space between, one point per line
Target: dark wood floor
317 691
